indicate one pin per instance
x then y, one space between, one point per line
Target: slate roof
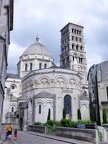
23 105
54 66
23 97
10 75
37 48
44 94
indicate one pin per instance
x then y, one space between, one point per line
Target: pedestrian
9 129
15 134
6 136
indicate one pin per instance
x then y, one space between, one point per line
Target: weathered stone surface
80 134
35 128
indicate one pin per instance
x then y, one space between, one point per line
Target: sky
47 17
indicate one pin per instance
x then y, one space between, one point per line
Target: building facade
46 86
98 89
12 92
6 25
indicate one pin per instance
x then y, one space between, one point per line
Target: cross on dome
37 38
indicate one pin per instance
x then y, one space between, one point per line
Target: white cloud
15 52
47 18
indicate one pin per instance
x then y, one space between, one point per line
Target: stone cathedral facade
40 85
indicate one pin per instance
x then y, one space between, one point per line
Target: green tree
64 113
104 116
92 116
78 114
49 114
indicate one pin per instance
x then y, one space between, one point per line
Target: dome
37 48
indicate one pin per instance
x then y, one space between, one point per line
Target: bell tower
73 55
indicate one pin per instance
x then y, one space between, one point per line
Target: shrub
100 136
66 123
57 123
64 113
51 130
50 123
85 122
79 114
17 115
37 123
104 116
49 113
73 124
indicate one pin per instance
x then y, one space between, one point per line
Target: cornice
48 72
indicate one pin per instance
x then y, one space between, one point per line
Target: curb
53 138
58 139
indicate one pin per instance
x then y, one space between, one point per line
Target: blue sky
46 18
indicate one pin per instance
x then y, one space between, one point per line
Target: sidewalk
3 141
47 136
6 142
62 139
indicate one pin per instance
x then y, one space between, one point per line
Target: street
25 138
38 138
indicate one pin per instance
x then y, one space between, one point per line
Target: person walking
6 136
15 134
9 129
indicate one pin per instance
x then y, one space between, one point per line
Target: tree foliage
92 116
104 116
64 113
79 114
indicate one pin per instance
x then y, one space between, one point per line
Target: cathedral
40 85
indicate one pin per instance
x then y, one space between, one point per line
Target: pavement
62 139
33 135
4 141
40 135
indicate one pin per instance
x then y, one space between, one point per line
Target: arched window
12 109
67 104
39 109
76 47
30 66
73 46
72 30
75 31
45 65
81 60
81 48
26 67
40 65
80 32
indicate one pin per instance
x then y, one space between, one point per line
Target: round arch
68 104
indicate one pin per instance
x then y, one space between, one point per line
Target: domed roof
37 48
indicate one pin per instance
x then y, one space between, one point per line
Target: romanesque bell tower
73 54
